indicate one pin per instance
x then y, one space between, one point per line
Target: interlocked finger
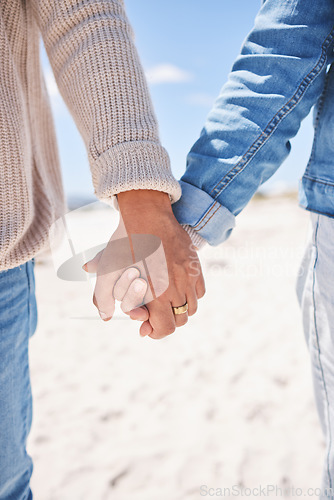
123 283
134 295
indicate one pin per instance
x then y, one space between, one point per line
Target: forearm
99 74
275 81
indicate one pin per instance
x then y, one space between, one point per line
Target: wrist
144 209
143 199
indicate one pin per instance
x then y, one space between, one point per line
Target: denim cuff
207 217
316 195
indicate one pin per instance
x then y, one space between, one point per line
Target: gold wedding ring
181 309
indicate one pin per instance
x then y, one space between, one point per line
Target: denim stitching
319 358
326 183
276 120
29 321
206 221
206 214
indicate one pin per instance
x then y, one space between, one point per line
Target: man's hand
147 212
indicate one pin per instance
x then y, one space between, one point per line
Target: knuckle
156 336
201 292
178 283
169 330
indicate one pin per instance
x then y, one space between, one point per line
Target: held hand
150 212
128 288
116 278
174 276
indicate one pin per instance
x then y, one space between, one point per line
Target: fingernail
139 286
84 267
103 315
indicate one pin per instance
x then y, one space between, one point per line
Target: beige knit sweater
96 66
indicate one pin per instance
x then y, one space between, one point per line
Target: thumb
91 265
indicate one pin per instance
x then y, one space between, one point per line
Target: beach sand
226 401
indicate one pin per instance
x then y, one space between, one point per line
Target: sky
187 48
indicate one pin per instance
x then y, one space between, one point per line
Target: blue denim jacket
282 71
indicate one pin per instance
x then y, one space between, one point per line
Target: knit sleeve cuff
196 239
133 165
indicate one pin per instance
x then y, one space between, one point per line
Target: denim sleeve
274 82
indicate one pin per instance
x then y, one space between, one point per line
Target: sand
225 401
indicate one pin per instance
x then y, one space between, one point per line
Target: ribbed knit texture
196 238
96 66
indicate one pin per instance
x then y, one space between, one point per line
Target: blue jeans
315 291
18 321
